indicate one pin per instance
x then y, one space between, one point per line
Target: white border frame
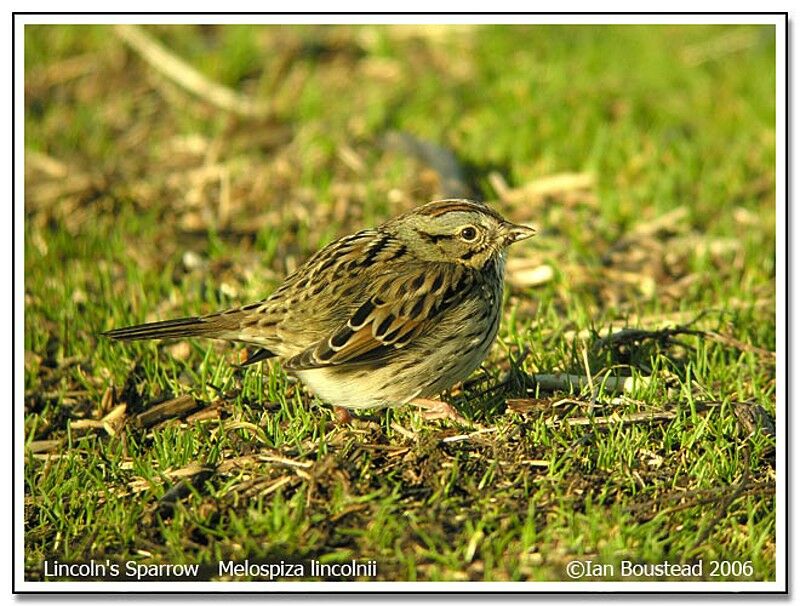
660 587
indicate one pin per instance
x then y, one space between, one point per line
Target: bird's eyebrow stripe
434 238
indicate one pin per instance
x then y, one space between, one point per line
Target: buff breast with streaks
380 317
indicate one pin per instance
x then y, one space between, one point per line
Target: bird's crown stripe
436 210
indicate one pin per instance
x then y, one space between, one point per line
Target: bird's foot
437 409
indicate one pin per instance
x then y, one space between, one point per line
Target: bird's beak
515 233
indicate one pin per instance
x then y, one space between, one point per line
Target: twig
636 417
43 446
549 187
589 380
692 498
285 461
468 436
140 484
665 335
403 431
277 484
754 418
186 76
565 381
60 72
762 353
645 229
177 407
191 477
629 335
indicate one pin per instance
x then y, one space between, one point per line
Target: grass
146 202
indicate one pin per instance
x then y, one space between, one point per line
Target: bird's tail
213 326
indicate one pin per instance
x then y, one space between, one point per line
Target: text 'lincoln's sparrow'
381 317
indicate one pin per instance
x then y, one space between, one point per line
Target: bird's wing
403 311
258 356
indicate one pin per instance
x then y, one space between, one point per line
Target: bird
386 316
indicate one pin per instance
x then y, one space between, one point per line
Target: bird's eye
468 234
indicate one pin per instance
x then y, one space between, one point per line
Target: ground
626 412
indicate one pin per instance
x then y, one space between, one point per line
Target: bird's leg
438 409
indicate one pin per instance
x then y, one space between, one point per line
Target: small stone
180 350
192 261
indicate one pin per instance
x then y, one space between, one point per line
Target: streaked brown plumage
382 316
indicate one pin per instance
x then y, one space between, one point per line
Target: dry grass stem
165 62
